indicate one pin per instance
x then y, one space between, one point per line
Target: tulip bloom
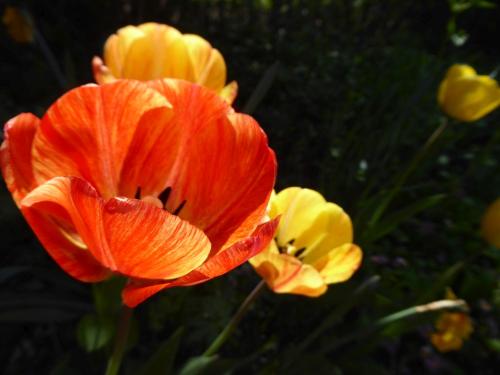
154 51
167 185
490 226
312 247
19 25
466 96
453 328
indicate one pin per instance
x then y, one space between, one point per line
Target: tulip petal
490 224
208 64
15 154
53 227
87 132
124 235
229 92
117 46
139 290
102 74
284 273
216 161
339 264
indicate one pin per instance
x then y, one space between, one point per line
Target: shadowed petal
139 290
124 235
15 154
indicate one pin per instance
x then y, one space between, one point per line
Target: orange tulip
312 247
168 185
452 329
154 51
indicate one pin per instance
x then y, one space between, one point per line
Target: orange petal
215 160
139 290
53 227
15 154
286 274
124 235
102 74
87 132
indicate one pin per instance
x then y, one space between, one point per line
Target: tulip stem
123 328
419 156
233 323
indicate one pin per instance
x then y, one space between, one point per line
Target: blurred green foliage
353 98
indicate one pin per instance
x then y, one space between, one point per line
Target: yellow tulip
18 24
312 247
490 226
452 329
154 51
466 96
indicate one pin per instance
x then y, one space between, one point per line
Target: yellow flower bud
466 96
490 226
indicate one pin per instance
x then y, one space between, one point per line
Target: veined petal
339 263
55 230
216 161
208 64
139 290
15 154
117 46
87 132
124 235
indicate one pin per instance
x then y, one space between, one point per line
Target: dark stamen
178 209
163 197
138 193
299 252
291 241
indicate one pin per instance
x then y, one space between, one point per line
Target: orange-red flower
154 51
164 183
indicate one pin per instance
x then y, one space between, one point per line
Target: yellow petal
490 226
208 64
101 72
467 96
229 92
116 48
286 274
331 228
299 208
339 263
444 342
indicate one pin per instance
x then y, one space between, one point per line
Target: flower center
160 201
290 249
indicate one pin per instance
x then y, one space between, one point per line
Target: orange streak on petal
15 154
139 290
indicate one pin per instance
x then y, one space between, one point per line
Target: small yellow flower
18 24
452 329
490 226
466 96
154 51
312 247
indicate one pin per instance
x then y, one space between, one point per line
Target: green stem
233 323
419 156
115 360
400 315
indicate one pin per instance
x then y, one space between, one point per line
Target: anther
138 193
178 209
163 197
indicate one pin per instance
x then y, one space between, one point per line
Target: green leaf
198 365
94 332
162 361
392 222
